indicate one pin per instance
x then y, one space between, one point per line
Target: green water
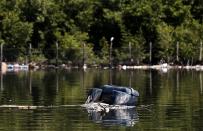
171 101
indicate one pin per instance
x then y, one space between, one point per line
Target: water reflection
110 77
177 81
176 97
30 81
57 81
200 79
150 81
123 117
2 87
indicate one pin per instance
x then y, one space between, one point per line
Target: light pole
56 54
110 52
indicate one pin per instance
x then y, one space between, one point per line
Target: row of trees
89 24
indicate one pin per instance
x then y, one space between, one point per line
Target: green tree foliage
133 51
165 41
187 36
71 23
104 54
16 34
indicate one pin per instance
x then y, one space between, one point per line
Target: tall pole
30 52
1 54
83 60
110 52
200 53
177 51
150 52
130 53
1 66
56 54
110 61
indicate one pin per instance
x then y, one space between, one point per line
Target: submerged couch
113 95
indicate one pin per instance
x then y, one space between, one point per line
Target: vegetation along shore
101 32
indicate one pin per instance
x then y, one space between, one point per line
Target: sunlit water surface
169 101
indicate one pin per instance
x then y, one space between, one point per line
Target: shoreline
163 67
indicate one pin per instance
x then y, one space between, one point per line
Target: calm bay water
171 101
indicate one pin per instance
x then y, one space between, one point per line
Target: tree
165 42
104 53
133 48
187 36
16 35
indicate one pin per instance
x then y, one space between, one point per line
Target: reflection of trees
15 88
176 95
49 90
2 86
200 79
